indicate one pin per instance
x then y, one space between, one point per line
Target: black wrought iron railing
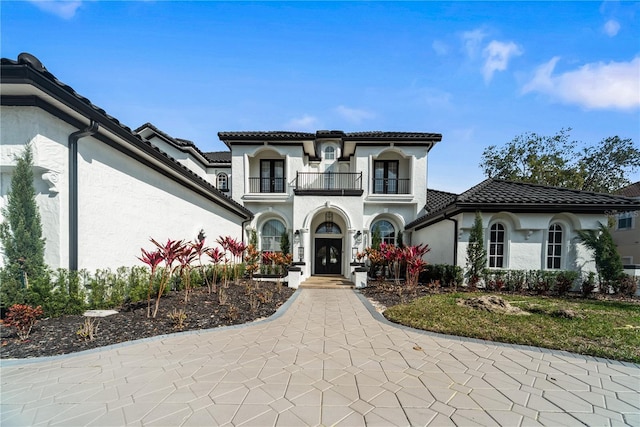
328 181
391 186
267 185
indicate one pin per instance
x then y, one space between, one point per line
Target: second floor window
329 153
223 182
385 177
496 246
272 176
625 223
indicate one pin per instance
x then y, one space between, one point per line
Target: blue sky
480 73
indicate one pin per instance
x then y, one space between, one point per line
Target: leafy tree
21 231
557 161
476 252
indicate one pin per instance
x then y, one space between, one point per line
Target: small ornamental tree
476 252
606 256
21 231
285 246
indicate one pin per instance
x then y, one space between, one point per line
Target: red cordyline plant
169 252
415 264
185 257
216 256
152 259
236 249
393 257
200 249
23 317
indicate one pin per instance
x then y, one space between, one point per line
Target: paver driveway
327 359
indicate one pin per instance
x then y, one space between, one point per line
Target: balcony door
272 176
385 177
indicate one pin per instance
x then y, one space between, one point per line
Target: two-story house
104 189
328 190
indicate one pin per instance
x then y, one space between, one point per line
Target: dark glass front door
328 256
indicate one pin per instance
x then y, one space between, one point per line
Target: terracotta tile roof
631 190
499 195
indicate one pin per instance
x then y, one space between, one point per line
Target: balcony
328 183
267 185
391 186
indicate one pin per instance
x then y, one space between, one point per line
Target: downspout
73 191
455 239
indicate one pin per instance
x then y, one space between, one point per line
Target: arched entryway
328 243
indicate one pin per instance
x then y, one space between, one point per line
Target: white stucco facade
127 191
328 190
353 213
525 244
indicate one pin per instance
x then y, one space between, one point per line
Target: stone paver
327 359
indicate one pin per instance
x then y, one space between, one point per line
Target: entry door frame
327 244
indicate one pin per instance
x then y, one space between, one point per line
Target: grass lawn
608 329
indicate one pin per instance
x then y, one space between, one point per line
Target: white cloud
304 123
63 9
613 85
354 115
611 27
497 56
440 47
472 40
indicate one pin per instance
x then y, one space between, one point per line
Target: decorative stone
491 303
99 313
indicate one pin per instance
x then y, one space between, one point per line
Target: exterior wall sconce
357 237
301 253
296 236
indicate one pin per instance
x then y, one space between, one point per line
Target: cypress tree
21 231
476 252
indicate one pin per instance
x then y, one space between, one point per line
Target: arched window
223 182
496 246
387 232
328 228
329 153
271 233
554 247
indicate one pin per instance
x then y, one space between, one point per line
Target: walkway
326 360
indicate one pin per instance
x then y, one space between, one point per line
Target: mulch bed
53 336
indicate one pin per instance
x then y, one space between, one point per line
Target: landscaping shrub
23 317
447 275
626 285
564 281
588 284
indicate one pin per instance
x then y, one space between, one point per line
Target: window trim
558 228
224 187
503 257
385 177
625 218
276 238
390 241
